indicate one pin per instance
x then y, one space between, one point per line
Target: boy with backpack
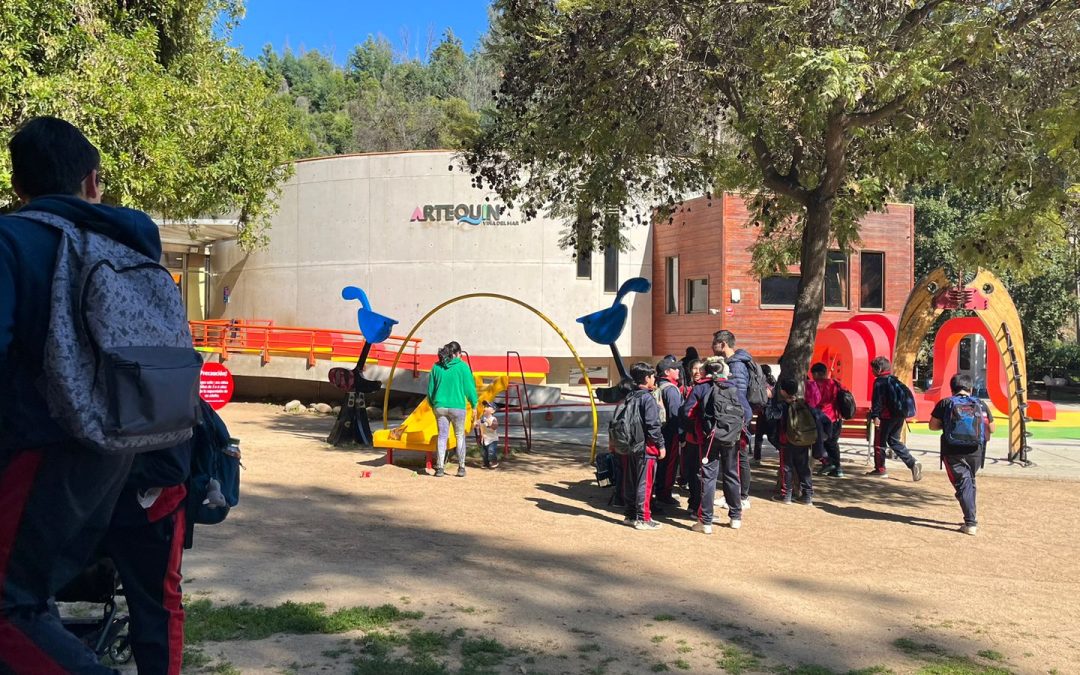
748 377
635 436
723 418
690 417
821 394
796 431
669 400
965 424
890 405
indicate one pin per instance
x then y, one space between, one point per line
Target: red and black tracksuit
639 468
794 460
890 427
667 467
146 543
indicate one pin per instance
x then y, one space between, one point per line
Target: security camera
713 311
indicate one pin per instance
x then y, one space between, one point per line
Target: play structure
847 347
419 431
606 325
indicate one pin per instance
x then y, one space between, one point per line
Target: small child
796 431
489 435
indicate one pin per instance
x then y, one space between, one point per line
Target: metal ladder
1021 400
516 402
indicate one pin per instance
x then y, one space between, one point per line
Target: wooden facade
712 241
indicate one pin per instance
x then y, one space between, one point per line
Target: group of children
689 424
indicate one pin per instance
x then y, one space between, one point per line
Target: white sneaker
746 504
969 529
721 505
701 527
735 523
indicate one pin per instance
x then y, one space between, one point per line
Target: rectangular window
836 281
584 265
672 267
697 296
779 290
872 284
611 269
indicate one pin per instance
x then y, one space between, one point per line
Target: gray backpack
120 373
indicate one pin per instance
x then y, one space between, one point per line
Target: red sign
215 385
730 311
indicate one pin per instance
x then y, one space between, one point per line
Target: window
611 269
779 290
584 265
672 266
836 280
697 296
872 285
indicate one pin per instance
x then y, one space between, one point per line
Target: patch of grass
682 664
225 668
464 610
657 639
918 649
482 652
457 634
735 661
942 662
991 655
872 670
589 647
808 669
384 666
530 660
684 649
195 658
379 645
663 617
659 668
424 643
254 622
336 653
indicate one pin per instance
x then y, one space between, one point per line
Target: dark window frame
671 271
845 286
862 274
690 295
584 259
611 269
776 305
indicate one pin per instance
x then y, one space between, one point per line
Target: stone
294 406
323 408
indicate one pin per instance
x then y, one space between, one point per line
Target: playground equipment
986 296
352 422
606 325
420 430
383 439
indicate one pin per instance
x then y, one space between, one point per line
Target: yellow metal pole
496 296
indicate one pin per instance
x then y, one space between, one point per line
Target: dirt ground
530 555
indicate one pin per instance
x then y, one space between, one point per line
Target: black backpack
722 416
757 387
626 431
901 400
605 469
845 403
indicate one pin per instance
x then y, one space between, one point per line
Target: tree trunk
810 297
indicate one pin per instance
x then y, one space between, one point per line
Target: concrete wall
346 221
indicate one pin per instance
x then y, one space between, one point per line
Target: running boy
966 424
886 413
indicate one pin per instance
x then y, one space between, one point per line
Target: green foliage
821 110
253 622
187 127
381 103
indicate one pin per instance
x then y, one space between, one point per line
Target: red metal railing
262 337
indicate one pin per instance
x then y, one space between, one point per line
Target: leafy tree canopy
822 110
187 127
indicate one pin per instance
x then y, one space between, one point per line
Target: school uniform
890 428
962 463
690 417
722 462
639 468
666 468
821 397
794 460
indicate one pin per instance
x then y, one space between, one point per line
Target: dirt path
530 555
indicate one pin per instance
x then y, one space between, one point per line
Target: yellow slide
420 431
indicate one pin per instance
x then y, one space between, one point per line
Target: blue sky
334 26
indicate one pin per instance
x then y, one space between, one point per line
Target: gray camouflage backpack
120 373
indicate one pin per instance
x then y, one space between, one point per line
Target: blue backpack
965 423
901 400
214 484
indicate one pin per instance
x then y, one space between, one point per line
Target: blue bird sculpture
605 327
375 327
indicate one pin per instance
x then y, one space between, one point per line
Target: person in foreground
965 424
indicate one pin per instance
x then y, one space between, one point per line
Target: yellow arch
496 296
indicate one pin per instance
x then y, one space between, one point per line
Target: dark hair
789 386
639 371
725 336
766 369
51 157
713 368
446 355
455 347
691 353
960 382
818 368
881 365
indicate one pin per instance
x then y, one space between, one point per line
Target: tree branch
835 151
914 19
872 117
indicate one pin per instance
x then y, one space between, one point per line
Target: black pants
148 560
639 470
731 472
667 467
761 429
889 433
54 507
691 466
961 470
797 464
828 438
744 466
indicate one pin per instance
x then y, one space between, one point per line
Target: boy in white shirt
489 435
